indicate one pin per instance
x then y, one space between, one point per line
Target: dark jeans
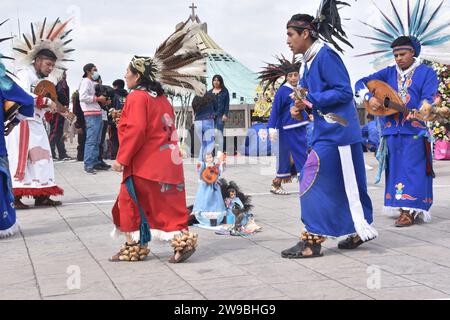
114 141
56 136
80 148
101 147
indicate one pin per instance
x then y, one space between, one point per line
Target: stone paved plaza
62 253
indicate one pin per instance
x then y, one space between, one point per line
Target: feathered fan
422 25
179 64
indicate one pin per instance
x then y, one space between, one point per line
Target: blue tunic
409 184
209 204
329 90
292 133
7 212
333 188
17 94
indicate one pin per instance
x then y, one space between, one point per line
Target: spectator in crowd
56 121
371 135
222 96
93 118
117 103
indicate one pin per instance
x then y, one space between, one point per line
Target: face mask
95 76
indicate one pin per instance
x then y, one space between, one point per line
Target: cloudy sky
109 33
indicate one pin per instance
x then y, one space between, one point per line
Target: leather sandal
350 243
18 204
46 202
296 252
278 190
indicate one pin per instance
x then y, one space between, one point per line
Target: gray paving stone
319 290
414 262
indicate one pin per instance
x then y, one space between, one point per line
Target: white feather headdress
52 37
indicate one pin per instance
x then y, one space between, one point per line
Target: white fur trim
10 231
136 235
394 212
362 227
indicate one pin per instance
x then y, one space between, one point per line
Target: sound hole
386 102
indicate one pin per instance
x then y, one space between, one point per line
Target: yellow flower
436 130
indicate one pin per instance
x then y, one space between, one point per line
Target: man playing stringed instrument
408 192
30 158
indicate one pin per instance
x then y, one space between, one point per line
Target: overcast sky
109 33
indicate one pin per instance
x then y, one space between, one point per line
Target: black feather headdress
274 71
327 25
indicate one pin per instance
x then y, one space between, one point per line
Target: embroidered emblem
388 196
399 195
5 214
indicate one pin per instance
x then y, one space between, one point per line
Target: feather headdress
327 24
5 81
274 71
427 27
178 64
52 37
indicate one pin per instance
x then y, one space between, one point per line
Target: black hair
402 41
119 83
220 78
46 53
147 83
199 103
303 18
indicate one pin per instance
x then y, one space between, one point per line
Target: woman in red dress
152 193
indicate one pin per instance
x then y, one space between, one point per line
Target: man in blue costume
333 190
9 92
291 142
409 184
371 134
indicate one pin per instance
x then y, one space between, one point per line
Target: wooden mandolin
392 103
47 89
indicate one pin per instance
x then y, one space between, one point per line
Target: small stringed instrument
47 89
392 104
210 174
